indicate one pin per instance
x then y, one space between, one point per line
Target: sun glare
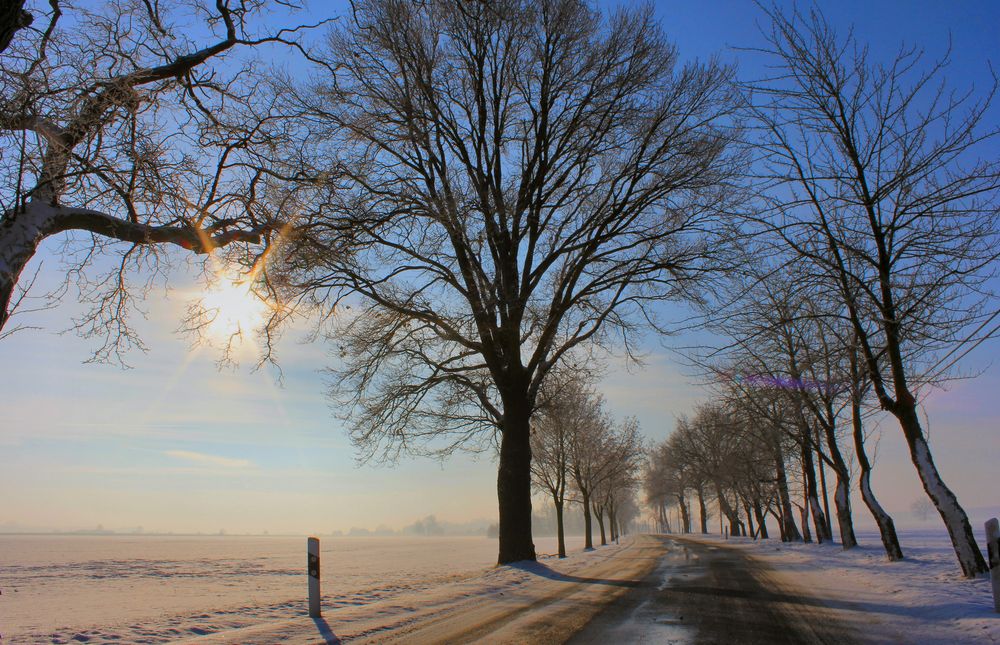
232 309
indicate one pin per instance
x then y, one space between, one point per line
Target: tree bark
13 18
735 526
842 493
20 236
703 511
822 486
514 484
685 516
560 531
599 514
612 520
970 558
588 543
812 500
789 532
750 526
886 527
664 519
761 520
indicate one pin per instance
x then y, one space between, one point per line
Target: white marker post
993 551
312 548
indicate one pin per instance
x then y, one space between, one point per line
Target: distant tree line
581 455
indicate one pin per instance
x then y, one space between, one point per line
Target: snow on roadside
199 589
515 603
923 599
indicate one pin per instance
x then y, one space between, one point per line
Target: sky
176 444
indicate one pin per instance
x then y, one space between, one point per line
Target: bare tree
859 390
587 463
711 445
665 478
876 184
568 413
765 412
621 456
792 354
520 178
118 127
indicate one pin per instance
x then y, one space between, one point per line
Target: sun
231 308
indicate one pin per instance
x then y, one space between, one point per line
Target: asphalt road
701 593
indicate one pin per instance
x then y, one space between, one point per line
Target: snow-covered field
120 589
150 589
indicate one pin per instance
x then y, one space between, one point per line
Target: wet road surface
702 593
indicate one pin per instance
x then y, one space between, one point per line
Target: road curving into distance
708 593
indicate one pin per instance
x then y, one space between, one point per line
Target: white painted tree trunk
970 558
842 502
887 528
819 519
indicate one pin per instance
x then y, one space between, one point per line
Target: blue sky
176 444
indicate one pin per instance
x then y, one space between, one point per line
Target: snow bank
922 599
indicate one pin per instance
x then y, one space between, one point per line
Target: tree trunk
703 511
560 532
886 527
842 493
822 486
789 532
685 516
750 526
612 520
804 515
812 500
20 236
970 558
588 543
514 484
599 514
842 502
761 520
734 519
13 17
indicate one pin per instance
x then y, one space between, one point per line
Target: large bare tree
517 179
877 184
129 125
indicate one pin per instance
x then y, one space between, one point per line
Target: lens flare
231 308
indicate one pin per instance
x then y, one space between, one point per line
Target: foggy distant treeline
543 524
428 526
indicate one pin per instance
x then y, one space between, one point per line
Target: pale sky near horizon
176 445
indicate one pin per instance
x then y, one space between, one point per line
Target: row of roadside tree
468 196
